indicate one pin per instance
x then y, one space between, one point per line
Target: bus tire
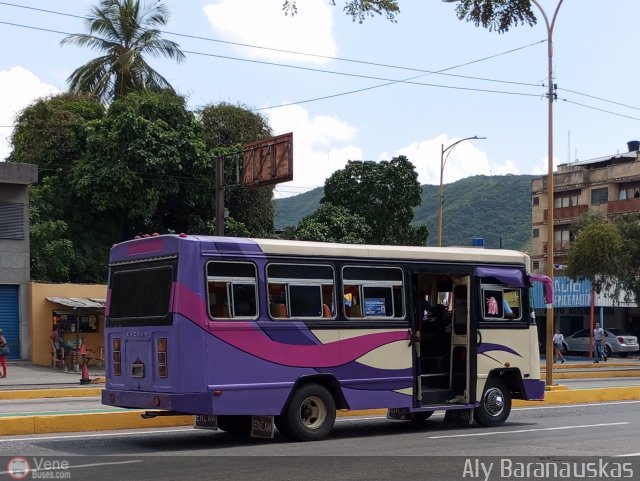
239 426
309 415
495 405
421 416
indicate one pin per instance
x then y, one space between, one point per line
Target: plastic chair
57 356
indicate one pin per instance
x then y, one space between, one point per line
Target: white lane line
626 455
556 428
561 406
34 470
101 434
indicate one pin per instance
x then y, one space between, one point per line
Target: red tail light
622 340
116 358
163 370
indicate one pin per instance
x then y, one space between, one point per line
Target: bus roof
443 254
168 243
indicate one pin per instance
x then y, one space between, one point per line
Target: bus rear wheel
239 426
495 405
309 415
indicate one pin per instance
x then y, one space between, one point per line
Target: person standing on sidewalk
4 352
558 340
598 339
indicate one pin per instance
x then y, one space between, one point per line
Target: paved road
359 449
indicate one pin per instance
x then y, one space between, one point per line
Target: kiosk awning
89 302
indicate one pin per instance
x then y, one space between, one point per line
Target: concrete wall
15 179
42 317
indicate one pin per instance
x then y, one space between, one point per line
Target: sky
372 90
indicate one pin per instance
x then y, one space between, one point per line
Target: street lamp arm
448 149
443 161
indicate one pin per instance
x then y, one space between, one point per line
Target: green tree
331 223
596 253
231 126
146 168
51 132
492 14
357 9
384 194
629 229
124 33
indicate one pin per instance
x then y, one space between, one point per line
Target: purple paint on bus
487 347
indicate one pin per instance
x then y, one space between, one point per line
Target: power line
309 69
600 110
386 80
326 57
601 99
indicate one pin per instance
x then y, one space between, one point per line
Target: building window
600 196
11 221
536 264
566 200
536 200
629 191
536 233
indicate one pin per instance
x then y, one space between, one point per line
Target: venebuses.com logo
18 468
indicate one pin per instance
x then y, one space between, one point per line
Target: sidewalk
24 375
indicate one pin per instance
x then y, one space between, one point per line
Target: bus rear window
141 295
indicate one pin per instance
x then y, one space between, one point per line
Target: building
607 185
15 179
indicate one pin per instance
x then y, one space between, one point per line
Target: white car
616 342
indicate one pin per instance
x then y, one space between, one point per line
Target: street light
443 161
550 202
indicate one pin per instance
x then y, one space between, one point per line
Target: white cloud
543 166
18 88
263 23
318 147
463 160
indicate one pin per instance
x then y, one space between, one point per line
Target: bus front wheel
495 406
310 414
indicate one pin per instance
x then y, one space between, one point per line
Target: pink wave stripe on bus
255 342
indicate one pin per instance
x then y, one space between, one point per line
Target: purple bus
250 335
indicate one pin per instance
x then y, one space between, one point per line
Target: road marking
556 428
561 406
626 455
100 435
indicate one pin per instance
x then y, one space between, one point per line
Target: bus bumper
194 403
533 390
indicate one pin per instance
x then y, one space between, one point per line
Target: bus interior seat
220 310
326 312
353 311
278 310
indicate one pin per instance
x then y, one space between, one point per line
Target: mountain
496 208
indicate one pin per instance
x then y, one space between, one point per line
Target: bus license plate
206 421
262 427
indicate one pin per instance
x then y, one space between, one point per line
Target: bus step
435 380
436 396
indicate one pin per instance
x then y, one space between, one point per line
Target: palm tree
124 32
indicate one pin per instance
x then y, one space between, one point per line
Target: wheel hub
494 402
313 412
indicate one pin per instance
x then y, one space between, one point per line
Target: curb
43 424
51 393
